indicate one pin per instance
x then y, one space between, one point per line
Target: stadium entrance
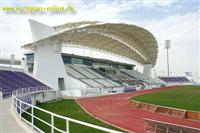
61 84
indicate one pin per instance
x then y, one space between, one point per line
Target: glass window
30 57
87 62
67 60
77 61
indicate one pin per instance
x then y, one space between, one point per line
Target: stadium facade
126 40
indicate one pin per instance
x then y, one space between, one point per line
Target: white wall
148 70
43 97
49 66
8 68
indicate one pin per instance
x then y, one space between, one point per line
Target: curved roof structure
126 40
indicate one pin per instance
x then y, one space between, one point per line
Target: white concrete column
148 70
49 66
48 63
24 65
40 30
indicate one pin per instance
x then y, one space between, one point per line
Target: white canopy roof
126 40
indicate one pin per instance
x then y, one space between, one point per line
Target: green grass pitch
182 97
68 108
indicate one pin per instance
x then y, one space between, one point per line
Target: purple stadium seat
175 79
11 80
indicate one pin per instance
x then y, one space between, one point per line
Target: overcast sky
166 19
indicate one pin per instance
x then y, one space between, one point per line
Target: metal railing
1 111
29 90
19 106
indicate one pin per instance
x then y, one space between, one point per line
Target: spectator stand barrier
154 126
174 112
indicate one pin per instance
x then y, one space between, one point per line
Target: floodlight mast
167 47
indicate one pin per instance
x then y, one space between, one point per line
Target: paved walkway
117 110
7 121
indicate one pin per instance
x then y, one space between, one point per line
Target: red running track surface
117 110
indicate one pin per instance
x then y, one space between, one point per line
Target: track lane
117 110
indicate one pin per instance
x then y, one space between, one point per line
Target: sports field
184 97
68 108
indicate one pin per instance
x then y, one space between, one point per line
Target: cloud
159 3
182 29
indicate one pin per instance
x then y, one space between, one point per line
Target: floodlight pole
167 47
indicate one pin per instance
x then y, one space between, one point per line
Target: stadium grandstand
101 87
88 72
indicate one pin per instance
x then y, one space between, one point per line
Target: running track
117 110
